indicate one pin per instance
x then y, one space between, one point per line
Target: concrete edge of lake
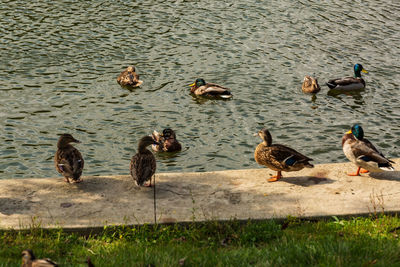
323 191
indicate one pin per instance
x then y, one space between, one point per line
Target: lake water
60 60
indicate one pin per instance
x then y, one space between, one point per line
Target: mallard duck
349 83
129 77
29 260
143 163
68 159
363 153
279 157
200 87
167 141
310 85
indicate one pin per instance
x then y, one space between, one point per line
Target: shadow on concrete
388 175
307 181
9 206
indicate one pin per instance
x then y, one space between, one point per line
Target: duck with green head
279 157
363 153
200 87
349 83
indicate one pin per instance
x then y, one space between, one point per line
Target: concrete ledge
325 190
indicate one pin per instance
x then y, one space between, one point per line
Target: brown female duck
167 141
310 85
143 163
279 157
29 260
68 159
200 87
129 77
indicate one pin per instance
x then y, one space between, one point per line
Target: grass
353 242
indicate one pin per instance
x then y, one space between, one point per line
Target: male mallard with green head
29 260
310 85
279 157
143 163
349 83
200 87
363 153
167 141
129 77
68 160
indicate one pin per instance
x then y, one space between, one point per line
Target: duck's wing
363 151
215 90
77 163
121 77
288 156
69 162
343 82
370 145
44 263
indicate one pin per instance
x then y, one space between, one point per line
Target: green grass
353 242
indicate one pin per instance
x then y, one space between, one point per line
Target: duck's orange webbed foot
357 173
276 177
364 171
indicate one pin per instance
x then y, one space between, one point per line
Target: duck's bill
192 84
365 71
348 132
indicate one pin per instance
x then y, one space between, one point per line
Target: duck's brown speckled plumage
310 85
143 163
279 157
200 87
167 141
129 77
29 260
68 160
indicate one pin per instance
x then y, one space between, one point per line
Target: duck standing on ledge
349 83
200 87
143 163
129 77
310 85
29 260
68 159
279 157
167 141
363 153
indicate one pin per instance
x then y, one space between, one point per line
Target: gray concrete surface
325 190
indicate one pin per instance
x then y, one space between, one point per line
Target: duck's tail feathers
331 85
390 168
226 94
308 165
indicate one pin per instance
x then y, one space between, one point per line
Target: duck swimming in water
279 157
68 160
143 163
200 87
349 83
29 260
310 85
363 153
129 77
167 141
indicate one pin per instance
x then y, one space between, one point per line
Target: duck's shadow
388 175
307 181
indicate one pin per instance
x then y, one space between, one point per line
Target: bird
310 85
143 163
29 260
200 87
279 157
363 153
68 160
129 77
349 83
167 141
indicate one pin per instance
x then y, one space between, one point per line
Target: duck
363 153
167 141
129 77
310 85
278 157
29 260
200 87
143 163
68 160
349 83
